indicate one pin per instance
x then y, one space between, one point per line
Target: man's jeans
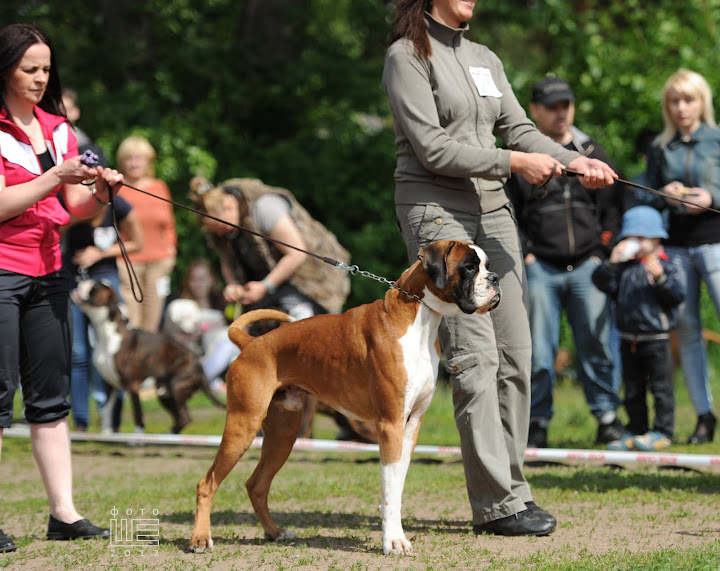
551 290
696 264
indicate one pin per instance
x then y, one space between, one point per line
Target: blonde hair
136 145
205 195
688 83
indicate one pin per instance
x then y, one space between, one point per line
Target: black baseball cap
550 90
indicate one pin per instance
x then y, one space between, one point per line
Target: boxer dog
376 362
125 357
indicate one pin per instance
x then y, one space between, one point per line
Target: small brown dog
125 357
377 362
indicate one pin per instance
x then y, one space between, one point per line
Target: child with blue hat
647 289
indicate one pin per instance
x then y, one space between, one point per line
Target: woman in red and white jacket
38 160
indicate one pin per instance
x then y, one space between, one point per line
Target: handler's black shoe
522 523
6 543
82 528
536 510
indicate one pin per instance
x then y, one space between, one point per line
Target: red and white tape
531 454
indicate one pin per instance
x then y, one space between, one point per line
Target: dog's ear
434 263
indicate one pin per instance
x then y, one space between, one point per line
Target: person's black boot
58 530
6 543
537 511
537 435
705 429
608 432
526 522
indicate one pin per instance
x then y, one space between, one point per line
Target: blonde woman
684 161
155 261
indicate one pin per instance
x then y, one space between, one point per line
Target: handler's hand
106 179
72 171
536 168
596 174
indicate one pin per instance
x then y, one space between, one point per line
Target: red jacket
30 241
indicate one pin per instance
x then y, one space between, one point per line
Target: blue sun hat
643 221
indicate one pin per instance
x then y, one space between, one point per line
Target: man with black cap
566 232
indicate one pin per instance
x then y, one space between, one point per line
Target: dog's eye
469 268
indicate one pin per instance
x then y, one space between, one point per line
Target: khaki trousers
487 357
154 279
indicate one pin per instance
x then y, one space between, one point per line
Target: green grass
640 517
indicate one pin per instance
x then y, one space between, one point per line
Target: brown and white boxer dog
375 362
125 357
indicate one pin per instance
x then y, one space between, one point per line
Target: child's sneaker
652 441
625 442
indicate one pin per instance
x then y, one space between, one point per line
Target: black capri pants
35 345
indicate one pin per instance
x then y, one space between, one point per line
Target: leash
90 159
354 270
540 191
568 172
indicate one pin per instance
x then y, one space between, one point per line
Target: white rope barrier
531 454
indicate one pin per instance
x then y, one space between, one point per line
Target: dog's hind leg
310 405
240 429
280 430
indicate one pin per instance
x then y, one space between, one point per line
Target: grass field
636 517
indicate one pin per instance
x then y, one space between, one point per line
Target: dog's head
97 299
459 277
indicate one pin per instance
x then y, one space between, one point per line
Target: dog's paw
397 546
284 535
198 545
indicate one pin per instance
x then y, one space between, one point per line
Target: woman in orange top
152 264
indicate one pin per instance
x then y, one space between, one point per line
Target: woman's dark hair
15 39
409 22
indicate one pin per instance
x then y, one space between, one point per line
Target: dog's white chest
108 344
421 359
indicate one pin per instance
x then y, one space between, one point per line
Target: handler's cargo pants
488 358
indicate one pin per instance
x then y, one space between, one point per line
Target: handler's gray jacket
445 109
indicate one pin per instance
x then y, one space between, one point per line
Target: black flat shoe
59 531
537 511
522 523
6 543
705 429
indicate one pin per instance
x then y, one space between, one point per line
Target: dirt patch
337 531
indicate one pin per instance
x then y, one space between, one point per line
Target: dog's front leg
137 408
396 447
106 411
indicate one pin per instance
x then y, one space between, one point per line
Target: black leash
325 259
90 159
540 191
650 190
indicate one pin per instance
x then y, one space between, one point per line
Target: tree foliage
290 91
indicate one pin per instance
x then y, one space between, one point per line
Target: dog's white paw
397 546
202 546
284 535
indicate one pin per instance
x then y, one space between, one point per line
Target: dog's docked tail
237 332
